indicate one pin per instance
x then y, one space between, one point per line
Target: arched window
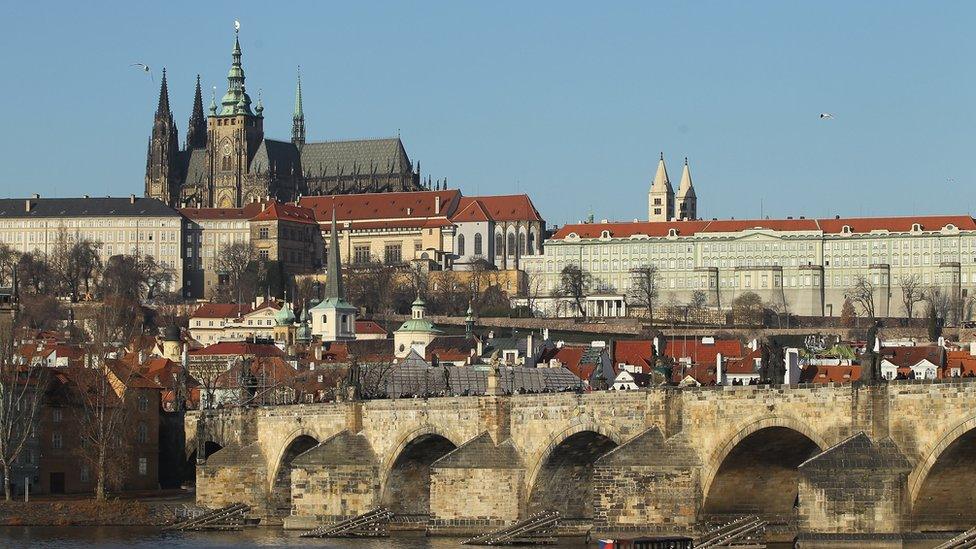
477 244
460 245
511 243
522 244
532 243
499 245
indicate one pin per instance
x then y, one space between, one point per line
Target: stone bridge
829 459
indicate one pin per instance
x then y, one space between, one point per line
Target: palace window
263 232
477 244
511 243
460 245
499 245
360 254
392 254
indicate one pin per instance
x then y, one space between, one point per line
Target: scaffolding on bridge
231 517
535 530
742 532
372 523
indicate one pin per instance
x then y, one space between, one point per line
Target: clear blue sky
568 101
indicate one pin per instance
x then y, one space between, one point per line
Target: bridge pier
855 487
235 474
489 479
648 481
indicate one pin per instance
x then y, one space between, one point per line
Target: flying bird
144 68
826 116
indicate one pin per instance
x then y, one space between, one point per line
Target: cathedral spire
685 187
196 131
298 118
661 181
163 107
333 284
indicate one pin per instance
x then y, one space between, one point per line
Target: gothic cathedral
227 162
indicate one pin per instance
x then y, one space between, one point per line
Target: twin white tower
663 204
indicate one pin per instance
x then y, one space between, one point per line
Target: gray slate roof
197 172
330 158
472 380
12 208
280 155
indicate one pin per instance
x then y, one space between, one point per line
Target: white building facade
800 266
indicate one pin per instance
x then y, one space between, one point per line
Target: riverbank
82 513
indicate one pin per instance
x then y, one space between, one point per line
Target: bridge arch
296 443
405 473
755 469
942 485
560 474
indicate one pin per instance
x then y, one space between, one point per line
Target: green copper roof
235 101
419 325
285 316
299 113
333 303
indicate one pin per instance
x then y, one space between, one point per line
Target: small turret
686 202
660 199
196 131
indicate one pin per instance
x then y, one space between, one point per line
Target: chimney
29 205
972 348
437 204
132 199
529 350
35 196
718 370
318 351
481 349
409 211
86 196
545 334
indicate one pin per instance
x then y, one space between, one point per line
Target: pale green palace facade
803 266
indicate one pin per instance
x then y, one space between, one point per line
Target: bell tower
234 133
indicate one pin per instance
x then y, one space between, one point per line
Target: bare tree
535 283
645 287
911 292
747 308
22 388
8 263
940 302
862 295
102 393
698 305
240 271
574 283
36 273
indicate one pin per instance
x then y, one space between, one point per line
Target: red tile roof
513 207
369 327
470 210
827 226
702 373
220 310
906 357
628 229
830 374
896 224
376 206
276 211
736 225
963 360
742 365
239 348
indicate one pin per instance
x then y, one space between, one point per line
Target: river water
114 537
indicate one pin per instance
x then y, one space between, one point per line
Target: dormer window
950 227
916 227
846 229
672 232
605 234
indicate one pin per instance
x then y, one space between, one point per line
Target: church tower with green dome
334 319
415 334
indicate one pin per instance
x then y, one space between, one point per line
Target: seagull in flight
826 116
144 68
